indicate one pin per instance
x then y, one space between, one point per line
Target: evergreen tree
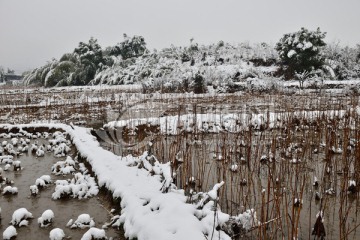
300 51
130 47
199 83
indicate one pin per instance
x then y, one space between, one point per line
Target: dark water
98 206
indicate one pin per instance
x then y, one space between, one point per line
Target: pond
98 207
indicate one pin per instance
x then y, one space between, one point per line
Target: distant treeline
298 55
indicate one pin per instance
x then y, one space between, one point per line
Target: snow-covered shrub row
59 144
207 123
81 186
20 143
64 167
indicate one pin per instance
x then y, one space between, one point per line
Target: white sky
34 31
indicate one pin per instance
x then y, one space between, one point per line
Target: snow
81 186
64 167
352 183
248 219
19 215
17 165
7 159
34 190
56 234
10 190
291 53
69 223
9 232
24 223
94 233
46 178
46 218
40 182
213 193
307 45
40 152
7 167
83 221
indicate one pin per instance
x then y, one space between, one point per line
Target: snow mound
10 190
17 165
46 218
94 233
7 159
56 234
9 233
19 215
83 221
34 190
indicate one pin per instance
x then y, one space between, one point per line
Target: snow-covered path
147 213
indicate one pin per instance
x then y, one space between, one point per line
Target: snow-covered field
200 164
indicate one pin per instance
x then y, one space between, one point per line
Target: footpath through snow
149 212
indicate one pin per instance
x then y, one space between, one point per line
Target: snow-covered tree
130 47
199 83
2 74
344 61
300 51
89 52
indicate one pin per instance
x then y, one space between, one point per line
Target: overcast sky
34 31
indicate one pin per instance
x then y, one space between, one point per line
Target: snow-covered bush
8 190
130 47
83 221
20 215
57 234
9 233
94 234
81 186
300 51
344 61
264 85
34 190
46 218
17 165
64 167
353 89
